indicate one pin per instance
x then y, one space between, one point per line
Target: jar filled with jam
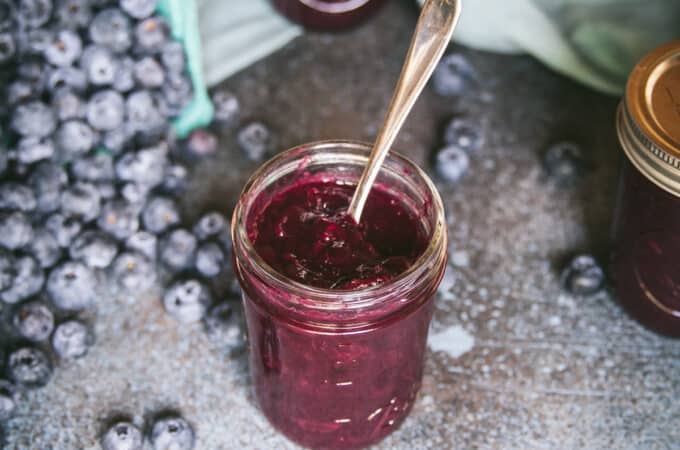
327 15
337 312
646 232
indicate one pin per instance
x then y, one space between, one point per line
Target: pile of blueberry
89 175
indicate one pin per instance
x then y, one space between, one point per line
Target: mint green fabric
182 15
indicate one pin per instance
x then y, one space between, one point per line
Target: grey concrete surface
538 368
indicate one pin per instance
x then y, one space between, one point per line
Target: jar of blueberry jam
327 14
337 313
646 253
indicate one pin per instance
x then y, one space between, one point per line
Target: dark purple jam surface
331 15
305 234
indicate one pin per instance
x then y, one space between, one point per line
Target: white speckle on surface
555 321
460 258
454 340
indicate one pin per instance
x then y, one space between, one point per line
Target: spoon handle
433 33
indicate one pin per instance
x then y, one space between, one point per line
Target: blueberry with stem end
105 110
133 272
210 225
465 134
453 76
210 259
74 14
44 247
227 108
177 250
16 230
95 249
29 367
172 433
151 34
71 340
144 243
565 163
187 300
148 73
583 276
71 286
451 163
64 228
66 77
33 321
67 105
111 28
33 119
122 436
73 139
34 13
224 326
255 140
65 48
99 65
81 200
159 214
119 218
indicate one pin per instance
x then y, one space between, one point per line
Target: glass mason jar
330 368
327 14
646 231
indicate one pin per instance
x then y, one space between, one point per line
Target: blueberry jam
306 234
337 313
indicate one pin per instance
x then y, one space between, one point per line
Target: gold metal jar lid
649 120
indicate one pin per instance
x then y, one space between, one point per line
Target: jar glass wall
331 368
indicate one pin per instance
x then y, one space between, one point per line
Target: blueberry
65 48
583 276
451 163
119 218
81 200
17 197
97 167
142 111
71 286
175 180
187 300
99 65
71 339
172 56
211 225
122 436
7 15
453 75
209 259
74 13
145 167
107 190
111 28
565 163
151 34
34 119
160 214
141 242
66 77
176 94
29 367
139 9
33 321
34 13
44 247
106 110
148 73
177 249
7 270
34 42
8 47
67 105
133 272
124 80
135 195
19 91
226 107
64 228
28 280
94 248
73 139
464 134
9 399
224 326
172 433
117 140
201 143
31 149
33 70
255 140
15 230
47 179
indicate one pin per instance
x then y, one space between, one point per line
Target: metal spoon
433 33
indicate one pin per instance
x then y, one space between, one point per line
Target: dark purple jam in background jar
337 313
646 253
328 15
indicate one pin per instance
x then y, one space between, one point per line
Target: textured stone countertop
519 364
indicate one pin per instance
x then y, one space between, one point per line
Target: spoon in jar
433 33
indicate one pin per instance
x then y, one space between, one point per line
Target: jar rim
330 300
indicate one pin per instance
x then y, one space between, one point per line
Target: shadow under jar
338 369
646 253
